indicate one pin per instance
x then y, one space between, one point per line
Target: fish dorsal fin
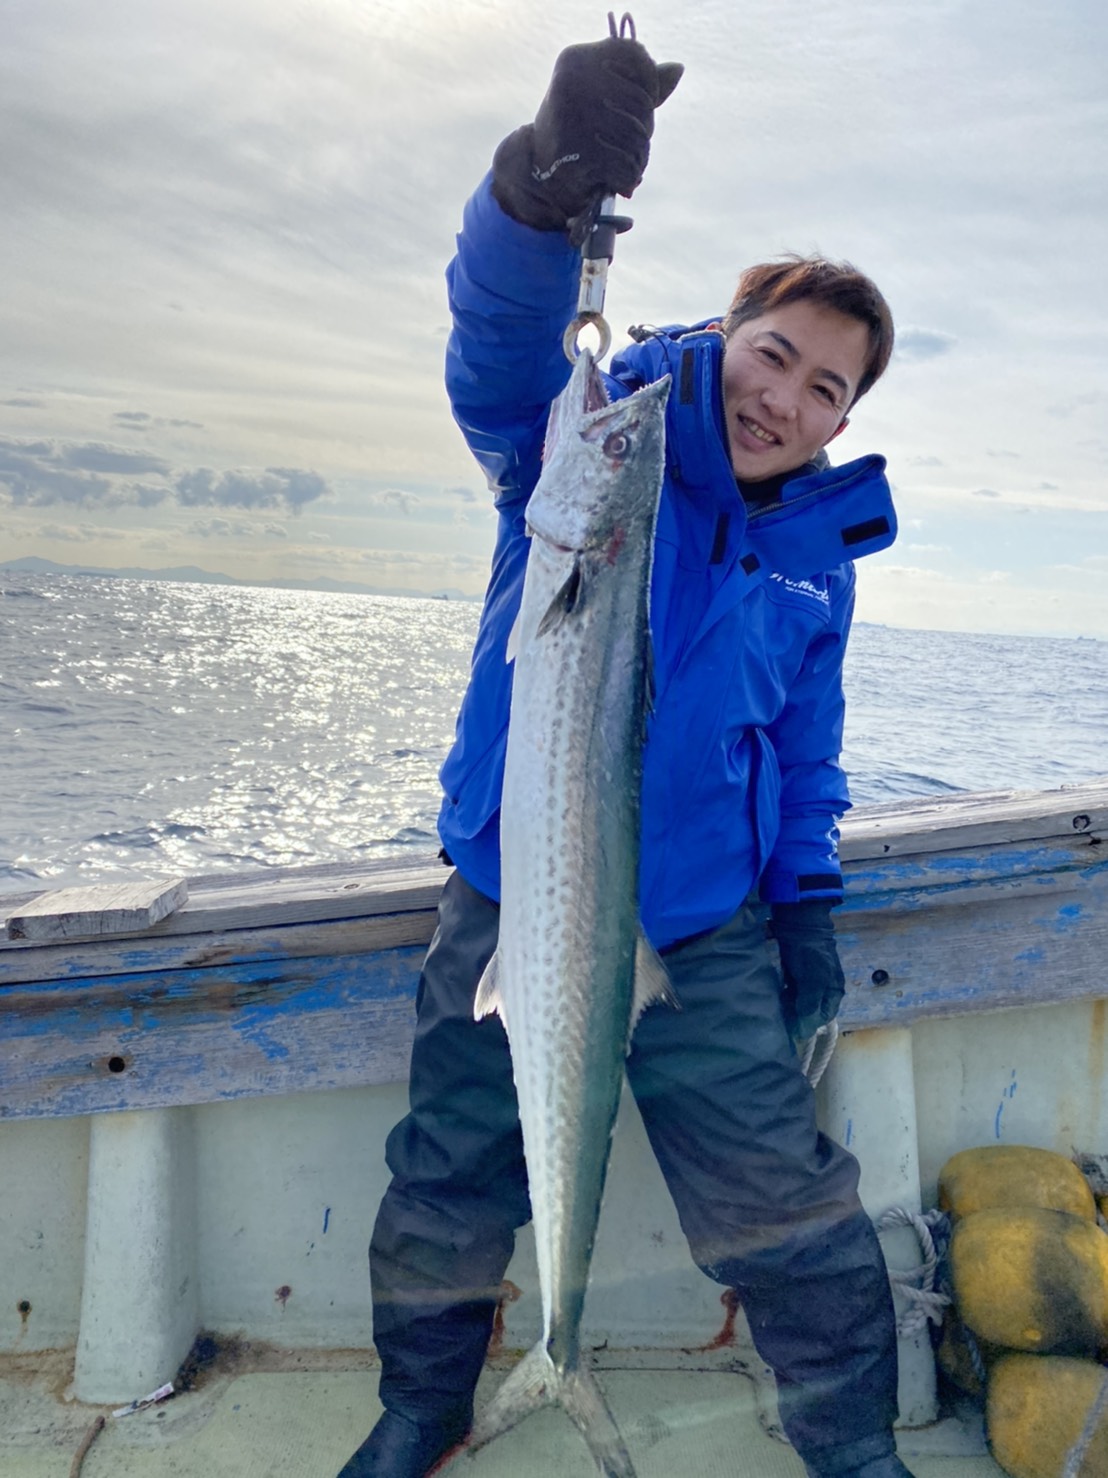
570 598
652 982
487 1001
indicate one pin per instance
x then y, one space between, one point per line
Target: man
751 599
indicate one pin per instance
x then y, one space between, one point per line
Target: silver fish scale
563 974
569 848
567 979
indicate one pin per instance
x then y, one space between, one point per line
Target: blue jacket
749 610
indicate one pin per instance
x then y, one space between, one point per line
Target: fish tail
585 1403
535 1383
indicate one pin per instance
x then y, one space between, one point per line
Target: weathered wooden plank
187 1016
1019 950
951 823
889 882
219 903
974 871
204 1036
88 959
199 1035
101 909
349 905
898 830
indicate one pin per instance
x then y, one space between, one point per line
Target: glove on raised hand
812 976
590 137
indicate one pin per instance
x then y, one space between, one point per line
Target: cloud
33 473
226 528
144 421
915 573
467 495
925 462
1003 453
274 488
24 403
93 457
149 495
78 533
41 473
1094 564
402 559
398 498
916 344
1072 403
984 493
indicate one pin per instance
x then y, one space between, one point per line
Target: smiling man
752 590
805 338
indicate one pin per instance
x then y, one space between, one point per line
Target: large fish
572 970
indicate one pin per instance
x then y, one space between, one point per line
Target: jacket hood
819 516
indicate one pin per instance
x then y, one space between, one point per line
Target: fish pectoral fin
570 598
652 982
487 1001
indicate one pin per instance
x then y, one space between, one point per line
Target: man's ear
838 431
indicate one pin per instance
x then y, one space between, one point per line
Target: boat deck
304 1420
194 1115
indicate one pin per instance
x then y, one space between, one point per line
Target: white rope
1076 1455
813 1065
917 1284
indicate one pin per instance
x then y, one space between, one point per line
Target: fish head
602 464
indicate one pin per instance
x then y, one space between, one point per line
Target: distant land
192 574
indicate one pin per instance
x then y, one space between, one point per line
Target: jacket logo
804 587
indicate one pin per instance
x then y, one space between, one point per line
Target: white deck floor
304 1423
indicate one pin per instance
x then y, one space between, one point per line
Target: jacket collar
819 515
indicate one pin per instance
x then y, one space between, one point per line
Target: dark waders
769 1205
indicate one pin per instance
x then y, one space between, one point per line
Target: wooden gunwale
303 979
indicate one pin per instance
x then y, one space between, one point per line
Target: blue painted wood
187 1019
201 1036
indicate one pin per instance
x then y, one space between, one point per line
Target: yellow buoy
1032 1280
1013 1175
1036 1410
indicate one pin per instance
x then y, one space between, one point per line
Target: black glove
812 977
590 137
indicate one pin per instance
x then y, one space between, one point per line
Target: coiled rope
926 1302
1076 1455
818 1052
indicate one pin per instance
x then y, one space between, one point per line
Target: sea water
152 728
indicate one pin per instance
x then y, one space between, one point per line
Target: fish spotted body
572 970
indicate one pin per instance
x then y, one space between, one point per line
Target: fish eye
617 444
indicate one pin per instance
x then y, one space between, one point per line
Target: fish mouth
593 392
584 396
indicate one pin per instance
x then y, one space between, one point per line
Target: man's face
788 380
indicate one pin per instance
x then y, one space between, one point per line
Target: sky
225 227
